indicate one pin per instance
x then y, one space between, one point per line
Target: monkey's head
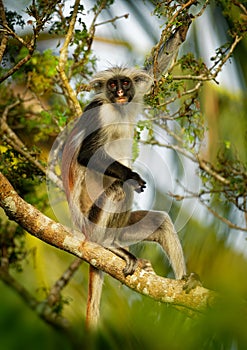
120 89
121 85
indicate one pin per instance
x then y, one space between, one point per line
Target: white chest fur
120 123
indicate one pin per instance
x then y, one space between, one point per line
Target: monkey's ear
97 84
143 80
142 77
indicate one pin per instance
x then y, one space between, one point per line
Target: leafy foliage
23 175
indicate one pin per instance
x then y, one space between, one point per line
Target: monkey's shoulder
94 104
100 112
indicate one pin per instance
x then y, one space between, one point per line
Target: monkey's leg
157 227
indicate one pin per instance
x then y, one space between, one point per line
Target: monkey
98 178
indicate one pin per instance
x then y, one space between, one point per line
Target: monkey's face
120 90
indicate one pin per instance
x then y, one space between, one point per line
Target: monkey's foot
146 265
192 281
143 264
131 260
131 265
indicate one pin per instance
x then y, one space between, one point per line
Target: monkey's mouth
121 100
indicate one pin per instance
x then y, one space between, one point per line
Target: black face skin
120 90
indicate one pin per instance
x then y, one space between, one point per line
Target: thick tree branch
159 288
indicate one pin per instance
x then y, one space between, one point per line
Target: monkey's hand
136 182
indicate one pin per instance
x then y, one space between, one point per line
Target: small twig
201 77
23 152
92 26
65 85
43 310
225 59
112 20
202 9
209 208
17 66
10 32
13 140
182 94
90 38
222 218
54 295
208 168
7 109
29 45
169 146
238 4
4 40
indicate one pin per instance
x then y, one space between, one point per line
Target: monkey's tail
96 279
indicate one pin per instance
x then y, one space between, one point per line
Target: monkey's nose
120 93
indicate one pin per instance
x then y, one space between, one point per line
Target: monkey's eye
126 83
112 85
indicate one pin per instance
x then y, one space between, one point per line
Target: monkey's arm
96 158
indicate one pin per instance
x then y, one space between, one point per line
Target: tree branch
55 291
4 39
112 20
44 310
67 89
13 140
161 289
17 66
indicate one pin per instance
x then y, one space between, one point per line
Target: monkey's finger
133 183
140 189
143 187
130 267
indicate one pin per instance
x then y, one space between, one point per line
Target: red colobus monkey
97 175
